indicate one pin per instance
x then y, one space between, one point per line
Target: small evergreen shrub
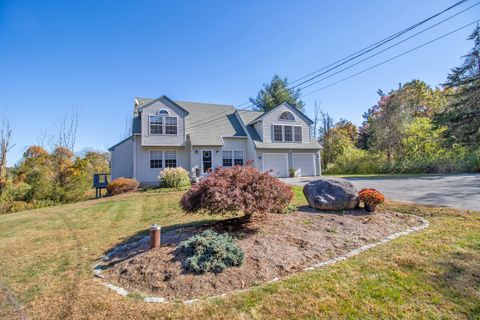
291 172
122 185
177 178
211 252
238 189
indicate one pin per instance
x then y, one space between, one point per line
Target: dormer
162 122
283 124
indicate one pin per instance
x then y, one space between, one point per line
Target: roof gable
288 106
163 99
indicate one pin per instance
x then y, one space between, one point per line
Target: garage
304 164
276 163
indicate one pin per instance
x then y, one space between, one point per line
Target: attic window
162 113
287 116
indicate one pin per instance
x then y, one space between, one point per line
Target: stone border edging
151 299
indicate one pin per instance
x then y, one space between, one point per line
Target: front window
232 158
298 134
170 125
288 133
283 133
156 124
238 158
277 133
155 159
162 123
227 160
170 159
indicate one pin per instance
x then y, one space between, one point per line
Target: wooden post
154 236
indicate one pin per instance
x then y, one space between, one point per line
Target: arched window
287 116
162 113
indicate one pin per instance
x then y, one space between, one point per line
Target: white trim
314 162
286 111
275 154
201 159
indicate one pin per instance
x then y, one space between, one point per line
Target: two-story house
200 137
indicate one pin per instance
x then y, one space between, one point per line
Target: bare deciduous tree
66 134
5 146
316 115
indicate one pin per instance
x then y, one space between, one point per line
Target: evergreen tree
462 115
276 93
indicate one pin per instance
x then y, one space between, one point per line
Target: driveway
457 191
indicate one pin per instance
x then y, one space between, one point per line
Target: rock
331 194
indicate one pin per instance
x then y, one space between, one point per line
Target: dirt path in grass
274 247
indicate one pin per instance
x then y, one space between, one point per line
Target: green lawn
47 256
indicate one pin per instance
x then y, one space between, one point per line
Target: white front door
275 164
304 164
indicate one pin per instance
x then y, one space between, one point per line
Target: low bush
211 252
291 172
238 189
177 178
371 196
122 185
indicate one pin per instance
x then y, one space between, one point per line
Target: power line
388 48
384 41
369 48
390 59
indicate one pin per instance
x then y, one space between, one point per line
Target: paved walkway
457 191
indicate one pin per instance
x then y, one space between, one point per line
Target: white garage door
304 164
276 164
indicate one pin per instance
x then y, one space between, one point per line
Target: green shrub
291 172
20 191
122 185
177 178
210 251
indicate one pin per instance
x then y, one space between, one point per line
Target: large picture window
162 123
156 159
283 133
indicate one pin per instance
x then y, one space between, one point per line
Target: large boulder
331 194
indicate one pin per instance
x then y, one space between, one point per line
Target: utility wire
375 45
356 55
393 58
388 48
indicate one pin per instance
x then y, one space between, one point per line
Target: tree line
48 175
414 128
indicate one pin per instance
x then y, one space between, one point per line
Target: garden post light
154 236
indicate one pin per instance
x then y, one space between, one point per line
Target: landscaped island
275 245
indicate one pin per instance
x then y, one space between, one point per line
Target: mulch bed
276 246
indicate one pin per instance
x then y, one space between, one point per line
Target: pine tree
276 93
462 115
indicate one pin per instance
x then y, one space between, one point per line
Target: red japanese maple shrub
238 189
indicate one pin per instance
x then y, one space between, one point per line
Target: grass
47 256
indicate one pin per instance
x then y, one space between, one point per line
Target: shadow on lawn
139 242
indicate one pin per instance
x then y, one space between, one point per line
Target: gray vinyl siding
272 118
163 140
149 176
122 160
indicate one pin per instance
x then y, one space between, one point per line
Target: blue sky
96 56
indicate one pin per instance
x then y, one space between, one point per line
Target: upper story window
286 116
283 133
162 123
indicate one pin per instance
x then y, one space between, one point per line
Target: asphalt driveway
457 191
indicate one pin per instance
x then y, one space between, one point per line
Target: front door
207 160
